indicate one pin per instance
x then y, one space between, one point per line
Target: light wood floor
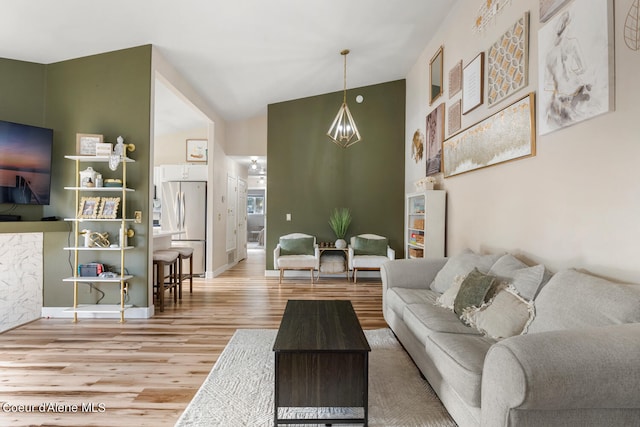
145 372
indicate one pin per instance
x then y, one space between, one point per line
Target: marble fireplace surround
21 278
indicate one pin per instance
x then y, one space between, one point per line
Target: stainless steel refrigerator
184 208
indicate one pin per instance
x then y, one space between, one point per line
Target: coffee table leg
275 393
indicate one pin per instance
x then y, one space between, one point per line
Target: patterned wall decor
507 62
507 135
454 117
455 79
488 10
632 27
417 146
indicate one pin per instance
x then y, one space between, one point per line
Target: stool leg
191 274
180 277
160 282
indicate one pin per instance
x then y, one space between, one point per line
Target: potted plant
339 222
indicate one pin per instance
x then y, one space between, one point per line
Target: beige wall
171 148
247 137
577 202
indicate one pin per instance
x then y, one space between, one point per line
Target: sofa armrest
410 273
562 370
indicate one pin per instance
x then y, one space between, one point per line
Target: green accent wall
309 175
108 94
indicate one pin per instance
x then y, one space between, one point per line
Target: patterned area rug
239 389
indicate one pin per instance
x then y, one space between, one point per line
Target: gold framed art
435 75
109 207
88 208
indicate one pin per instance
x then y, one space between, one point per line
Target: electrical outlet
137 216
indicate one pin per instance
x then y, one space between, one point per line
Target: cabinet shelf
99 219
99 308
83 248
96 279
97 159
99 189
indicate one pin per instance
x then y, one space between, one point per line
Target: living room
573 204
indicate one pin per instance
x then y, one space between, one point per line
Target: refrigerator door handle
176 209
182 209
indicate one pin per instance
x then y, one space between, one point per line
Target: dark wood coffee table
321 360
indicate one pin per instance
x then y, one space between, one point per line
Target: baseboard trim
130 313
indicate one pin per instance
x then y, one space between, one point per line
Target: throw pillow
364 246
475 289
462 264
507 315
297 246
447 299
525 279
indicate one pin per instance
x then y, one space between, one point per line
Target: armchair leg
281 274
311 276
355 275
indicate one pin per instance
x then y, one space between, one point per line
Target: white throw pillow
507 315
525 279
449 296
462 264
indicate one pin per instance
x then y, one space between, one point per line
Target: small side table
329 259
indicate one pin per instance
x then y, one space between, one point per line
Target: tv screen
25 164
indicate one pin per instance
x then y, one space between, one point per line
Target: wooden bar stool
185 252
162 259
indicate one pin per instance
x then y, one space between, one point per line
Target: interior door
232 222
242 218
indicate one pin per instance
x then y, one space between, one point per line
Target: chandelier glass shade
343 130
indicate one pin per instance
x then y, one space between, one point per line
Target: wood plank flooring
145 372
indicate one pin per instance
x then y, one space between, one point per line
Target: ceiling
240 55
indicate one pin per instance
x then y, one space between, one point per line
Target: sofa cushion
574 299
525 279
506 315
296 261
474 290
460 357
425 319
364 246
447 299
462 264
297 246
398 298
368 261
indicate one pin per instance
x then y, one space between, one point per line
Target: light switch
288 217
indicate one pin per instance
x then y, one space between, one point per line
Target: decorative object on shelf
473 84
343 130
455 79
506 135
93 239
339 221
88 207
417 147
632 27
104 149
113 182
86 143
425 183
548 8
435 75
109 207
508 62
435 136
119 153
88 177
575 65
487 12
454 117
197 150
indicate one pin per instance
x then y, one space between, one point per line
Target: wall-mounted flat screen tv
25 164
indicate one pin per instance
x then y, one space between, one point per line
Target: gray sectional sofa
576 362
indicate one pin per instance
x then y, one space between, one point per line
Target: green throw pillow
297 246
364 246
475 289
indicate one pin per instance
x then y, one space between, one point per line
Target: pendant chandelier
343 130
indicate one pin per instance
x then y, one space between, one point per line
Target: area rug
239 389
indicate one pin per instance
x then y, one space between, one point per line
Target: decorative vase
341 244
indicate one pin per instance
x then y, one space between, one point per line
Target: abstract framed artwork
506 135
454 117
508 62
473 84
434 138
575 65
196 150
455 79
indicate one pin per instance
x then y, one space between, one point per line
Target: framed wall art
454 117
549 7
88 208
575 65
417 145
196 150
506 135
86 143
455 79
435 75
109 207
434 138
473 84
508 62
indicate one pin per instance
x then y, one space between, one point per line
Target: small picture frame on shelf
109 207
196 150
88 208
104 149
86 143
